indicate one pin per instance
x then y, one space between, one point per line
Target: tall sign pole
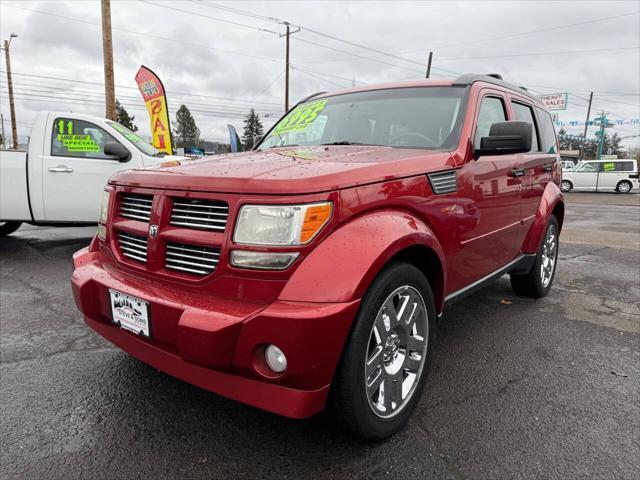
107 53
12 107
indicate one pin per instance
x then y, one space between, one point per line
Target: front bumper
217 342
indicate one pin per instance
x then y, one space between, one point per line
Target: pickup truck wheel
538 281
7 228
566 186
624 186
386 358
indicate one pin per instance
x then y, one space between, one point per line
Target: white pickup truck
60 180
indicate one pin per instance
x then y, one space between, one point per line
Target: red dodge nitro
316 266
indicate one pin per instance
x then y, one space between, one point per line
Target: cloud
197 58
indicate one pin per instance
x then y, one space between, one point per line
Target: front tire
538 281
7 228
624 186
566 186
386 358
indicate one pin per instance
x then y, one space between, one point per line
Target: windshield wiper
287 145
347 142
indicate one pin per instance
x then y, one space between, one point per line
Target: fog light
275 359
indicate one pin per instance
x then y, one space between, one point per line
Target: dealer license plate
130 313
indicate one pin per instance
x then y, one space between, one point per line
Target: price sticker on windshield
301 117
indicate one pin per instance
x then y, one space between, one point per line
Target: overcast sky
221 62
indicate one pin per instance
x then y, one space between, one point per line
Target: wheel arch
380 237
551 203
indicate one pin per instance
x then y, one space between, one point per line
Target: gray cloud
62 48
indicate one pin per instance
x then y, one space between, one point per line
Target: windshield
424 117
138 142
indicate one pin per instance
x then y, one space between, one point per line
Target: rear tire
566 186
387 355
7 228
624 186
538 281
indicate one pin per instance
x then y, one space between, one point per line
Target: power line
230 22
319 78
150 35
325 35
173 92
474 42
566 52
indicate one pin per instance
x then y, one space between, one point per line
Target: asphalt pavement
519 388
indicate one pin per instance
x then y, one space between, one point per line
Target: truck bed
14 201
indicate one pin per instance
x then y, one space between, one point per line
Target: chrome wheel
396 351
565 186
549 254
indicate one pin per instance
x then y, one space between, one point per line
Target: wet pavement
519 388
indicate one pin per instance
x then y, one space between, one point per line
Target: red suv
317 265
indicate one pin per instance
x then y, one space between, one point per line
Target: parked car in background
567 165
602 176
319 263
61 178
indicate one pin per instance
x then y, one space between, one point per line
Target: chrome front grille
136 206
443 182
133 246
197 213
191 258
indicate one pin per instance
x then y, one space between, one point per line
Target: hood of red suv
289 170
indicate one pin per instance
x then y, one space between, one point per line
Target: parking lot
519 388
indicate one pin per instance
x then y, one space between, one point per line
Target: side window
590 167
547 132
524 113
491 111
77 138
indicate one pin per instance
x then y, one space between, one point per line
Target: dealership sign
554 101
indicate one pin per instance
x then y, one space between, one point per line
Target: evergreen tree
186 132
253 130
612 145
123 117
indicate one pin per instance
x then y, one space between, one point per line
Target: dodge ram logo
153 230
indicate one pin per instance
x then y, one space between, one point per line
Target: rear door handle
518 172
60 169
548 167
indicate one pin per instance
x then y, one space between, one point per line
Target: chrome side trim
516 264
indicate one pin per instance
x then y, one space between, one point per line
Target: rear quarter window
547 132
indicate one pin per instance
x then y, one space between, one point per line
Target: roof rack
494 78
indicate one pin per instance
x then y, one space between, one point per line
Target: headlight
104 215
281 225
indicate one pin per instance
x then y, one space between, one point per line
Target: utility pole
286 71
586 125
12 107
107 53
429 64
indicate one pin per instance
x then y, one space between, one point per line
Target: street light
12 108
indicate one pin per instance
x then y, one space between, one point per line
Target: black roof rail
310 97
470 78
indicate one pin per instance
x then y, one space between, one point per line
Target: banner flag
155 99
234 140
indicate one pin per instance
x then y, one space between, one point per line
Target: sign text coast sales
554 101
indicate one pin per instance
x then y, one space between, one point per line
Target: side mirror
506 138
117 150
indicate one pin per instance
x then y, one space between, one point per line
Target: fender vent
443 182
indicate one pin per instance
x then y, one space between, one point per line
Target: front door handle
60 169
548 167
518 172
